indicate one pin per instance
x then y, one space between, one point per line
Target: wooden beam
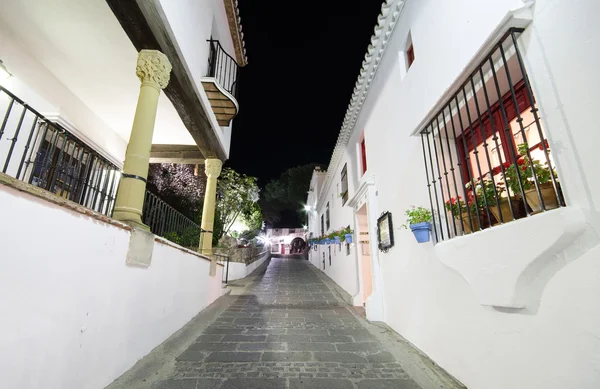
146 25
184 154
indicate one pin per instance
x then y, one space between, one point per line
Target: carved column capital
153 67
212 167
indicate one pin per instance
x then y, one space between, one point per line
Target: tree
287 194
237 195
181 186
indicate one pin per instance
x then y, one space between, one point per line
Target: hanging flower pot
327 241
422 231
338 239
419 221
348 238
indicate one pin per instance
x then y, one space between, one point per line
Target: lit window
486 155
410 56
344 193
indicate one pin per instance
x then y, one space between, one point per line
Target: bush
173 237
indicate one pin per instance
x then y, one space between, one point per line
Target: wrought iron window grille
487 159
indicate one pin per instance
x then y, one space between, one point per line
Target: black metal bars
166 221
43 153
223 67
483 165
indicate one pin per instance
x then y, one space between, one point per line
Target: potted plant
543 174
468 212
347 234
419 221
486 191
337 237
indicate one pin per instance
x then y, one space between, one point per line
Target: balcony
221 83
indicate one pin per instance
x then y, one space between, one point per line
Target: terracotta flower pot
505 209
467 222
548 194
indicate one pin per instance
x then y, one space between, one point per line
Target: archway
297 246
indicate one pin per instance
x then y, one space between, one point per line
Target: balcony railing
166 221
42 153
223 68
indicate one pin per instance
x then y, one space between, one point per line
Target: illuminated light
4 73
307 208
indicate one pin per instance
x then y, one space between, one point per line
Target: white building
97 90
513 305
283 240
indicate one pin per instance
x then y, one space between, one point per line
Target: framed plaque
385 232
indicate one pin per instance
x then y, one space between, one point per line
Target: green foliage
237 195
190 237
172 236
526 169
416 215
253 217
288 193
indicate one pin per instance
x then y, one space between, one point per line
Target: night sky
303 61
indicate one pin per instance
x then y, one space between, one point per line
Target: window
363 156
344 193
327 221
410 56
322 226
487 159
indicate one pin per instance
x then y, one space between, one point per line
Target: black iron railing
223 67
38 151
166 221
487 159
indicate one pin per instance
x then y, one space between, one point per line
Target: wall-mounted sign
385 232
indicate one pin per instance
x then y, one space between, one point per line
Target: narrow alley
288 329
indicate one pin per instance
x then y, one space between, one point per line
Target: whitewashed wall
193 22
38 87
75 316
238 270
553 341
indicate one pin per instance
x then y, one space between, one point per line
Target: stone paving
287 331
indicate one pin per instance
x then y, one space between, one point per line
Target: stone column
212 168
153 69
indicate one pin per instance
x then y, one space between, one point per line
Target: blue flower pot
422 231
327 241
338 239
348 238
321 242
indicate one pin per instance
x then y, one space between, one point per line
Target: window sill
501 263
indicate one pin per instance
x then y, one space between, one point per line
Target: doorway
364 252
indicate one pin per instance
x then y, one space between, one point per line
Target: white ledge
498 261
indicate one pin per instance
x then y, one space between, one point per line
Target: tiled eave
386 22
235 26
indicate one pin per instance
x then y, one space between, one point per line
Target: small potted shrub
543 175
346 234
419 221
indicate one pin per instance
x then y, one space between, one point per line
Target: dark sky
304 58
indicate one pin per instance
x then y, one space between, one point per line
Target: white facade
76 315
513 306
280 239
84 296
74 63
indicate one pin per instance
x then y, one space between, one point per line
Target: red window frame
363 153
472 134
410 56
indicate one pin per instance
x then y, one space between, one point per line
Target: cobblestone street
287 330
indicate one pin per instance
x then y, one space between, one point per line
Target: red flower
506 165
523 168
520 161
496 170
